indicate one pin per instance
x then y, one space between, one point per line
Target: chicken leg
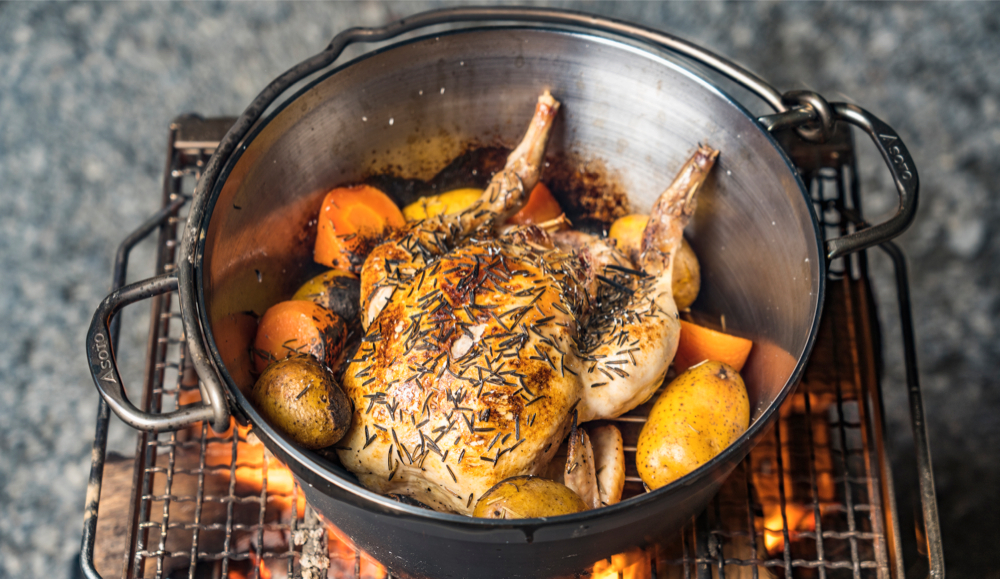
631 336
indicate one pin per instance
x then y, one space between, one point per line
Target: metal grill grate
812 500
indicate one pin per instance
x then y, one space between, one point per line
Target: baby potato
698 415
443 204
300 397
527 497
627 232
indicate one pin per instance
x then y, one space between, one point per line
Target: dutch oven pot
631 102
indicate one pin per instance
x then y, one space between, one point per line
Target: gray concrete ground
87 90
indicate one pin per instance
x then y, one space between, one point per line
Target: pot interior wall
411 109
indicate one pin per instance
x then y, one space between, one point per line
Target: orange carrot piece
698 343
350 220
298 327
541 207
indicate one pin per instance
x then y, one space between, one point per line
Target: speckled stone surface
87 91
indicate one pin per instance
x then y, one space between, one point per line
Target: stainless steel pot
411 108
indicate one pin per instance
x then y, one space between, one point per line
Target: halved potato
336 290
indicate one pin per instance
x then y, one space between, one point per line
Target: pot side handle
104 368
904 175
813 119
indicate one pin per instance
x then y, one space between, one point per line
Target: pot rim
324 472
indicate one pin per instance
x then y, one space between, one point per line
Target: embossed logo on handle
899 157
104 357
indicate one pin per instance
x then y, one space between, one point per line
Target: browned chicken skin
481 350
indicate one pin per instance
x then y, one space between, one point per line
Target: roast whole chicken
483 350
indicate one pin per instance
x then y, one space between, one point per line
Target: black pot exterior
418 548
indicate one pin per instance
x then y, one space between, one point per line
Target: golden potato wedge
337 290
687 276
627 233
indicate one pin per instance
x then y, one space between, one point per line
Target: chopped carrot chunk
351 221
298 327
698 343
541 207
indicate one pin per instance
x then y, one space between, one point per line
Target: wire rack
813 499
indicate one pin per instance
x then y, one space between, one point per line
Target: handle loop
104 368
813 118
904 175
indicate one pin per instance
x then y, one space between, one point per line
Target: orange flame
252 462
256 563
255 467
342 552
631 564
800 519
805 438
263 571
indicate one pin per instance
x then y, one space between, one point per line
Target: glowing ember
263 572
256 469
258 570
254 466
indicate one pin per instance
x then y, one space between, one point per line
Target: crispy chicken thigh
480 350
